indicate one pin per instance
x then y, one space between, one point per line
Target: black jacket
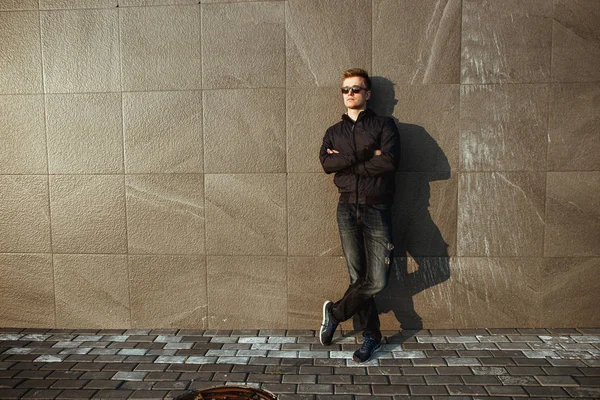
360 175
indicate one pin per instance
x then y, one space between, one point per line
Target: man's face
355 100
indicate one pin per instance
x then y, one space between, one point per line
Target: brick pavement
433 365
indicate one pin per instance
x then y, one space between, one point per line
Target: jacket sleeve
388 160
334 162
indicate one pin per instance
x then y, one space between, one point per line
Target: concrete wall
158 160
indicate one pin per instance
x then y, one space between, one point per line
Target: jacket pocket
345 182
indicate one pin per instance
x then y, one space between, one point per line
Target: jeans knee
376 287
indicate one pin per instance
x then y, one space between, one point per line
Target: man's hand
377 152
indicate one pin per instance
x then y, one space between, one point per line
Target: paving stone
381 370
588 381
540 353
337 379
129 376
189 367
428 362
148 394
408 354
200 360
419 370
443 380
534 362
481 346
76 394
270 369
386 390
569 363
13 393
119 367
518 380
352 389
32 374
557 380
324 361
173 385
454 370
98 375
113 394
266 346
130 385
266 378
421 346
407 380
395 362
562 371
69 384
9 383
196 376
233 360
33 383
420 390
482 379
466 390
307 388
309 369
41 394
281 339
546 391
371 379
27 365
162 376
506 390
286 396
102 384
335 397
525 371
513 346
279 388
464 361
65 374
591 392
304 378
590 371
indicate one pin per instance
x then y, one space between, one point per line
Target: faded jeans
366 235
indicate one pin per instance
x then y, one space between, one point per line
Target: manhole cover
228 393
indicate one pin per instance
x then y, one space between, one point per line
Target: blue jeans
366 235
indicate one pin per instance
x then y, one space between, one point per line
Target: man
362 149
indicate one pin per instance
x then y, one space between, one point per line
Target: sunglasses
354 89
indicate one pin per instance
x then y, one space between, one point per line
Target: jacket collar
366 113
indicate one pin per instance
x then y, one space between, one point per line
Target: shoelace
369 343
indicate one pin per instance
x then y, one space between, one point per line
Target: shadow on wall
415 234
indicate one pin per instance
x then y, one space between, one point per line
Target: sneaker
328 327
366 351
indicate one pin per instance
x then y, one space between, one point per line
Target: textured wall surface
158 160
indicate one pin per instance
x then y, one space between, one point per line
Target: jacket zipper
356 155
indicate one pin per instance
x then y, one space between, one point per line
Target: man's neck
353 113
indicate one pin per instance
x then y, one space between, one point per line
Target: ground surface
442 364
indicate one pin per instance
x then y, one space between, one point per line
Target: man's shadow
414 232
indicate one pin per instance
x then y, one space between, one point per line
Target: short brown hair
352 72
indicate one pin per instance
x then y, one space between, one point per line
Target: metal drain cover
228 393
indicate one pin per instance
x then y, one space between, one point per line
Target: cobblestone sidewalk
418 365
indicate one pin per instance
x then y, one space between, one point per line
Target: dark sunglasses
353 89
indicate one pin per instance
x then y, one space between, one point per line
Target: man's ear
368 95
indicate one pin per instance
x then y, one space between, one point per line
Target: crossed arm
383 160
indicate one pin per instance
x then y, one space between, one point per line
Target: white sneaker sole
324 319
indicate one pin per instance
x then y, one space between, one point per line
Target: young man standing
362 150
